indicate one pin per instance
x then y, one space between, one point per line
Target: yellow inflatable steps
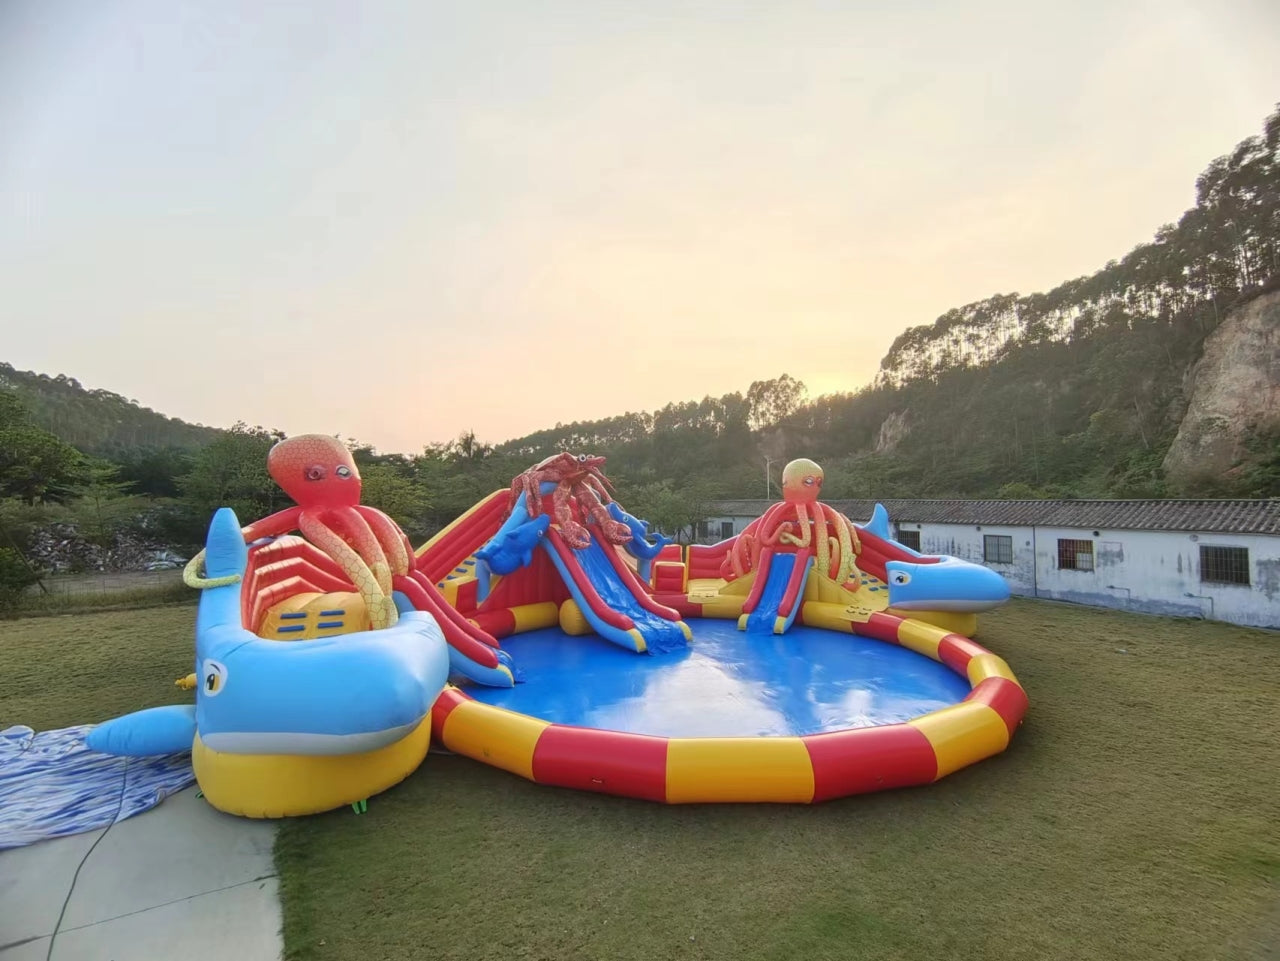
305 616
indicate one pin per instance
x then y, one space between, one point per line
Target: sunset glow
399 223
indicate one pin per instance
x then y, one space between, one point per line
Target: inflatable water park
549 633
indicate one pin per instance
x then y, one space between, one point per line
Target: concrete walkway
181 882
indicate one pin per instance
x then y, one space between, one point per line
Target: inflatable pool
546 632
739 717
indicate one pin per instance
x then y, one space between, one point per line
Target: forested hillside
1077 391
1074 392
98 421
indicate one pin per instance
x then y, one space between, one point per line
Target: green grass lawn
60 670
1135 816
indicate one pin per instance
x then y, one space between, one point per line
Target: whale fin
226 554
879 523
225 550
157 730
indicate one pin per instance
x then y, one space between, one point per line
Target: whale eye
213 678
342 470
314 473
900 577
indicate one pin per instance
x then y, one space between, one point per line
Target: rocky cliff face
1233 391
892 431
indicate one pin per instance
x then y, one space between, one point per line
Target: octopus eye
314 473
808 482
582 458
342 470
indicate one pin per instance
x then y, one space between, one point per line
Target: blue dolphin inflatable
513 546
639 546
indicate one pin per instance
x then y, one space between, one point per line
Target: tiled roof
1209 516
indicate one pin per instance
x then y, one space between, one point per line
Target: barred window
997 548
1075 555
1224 565
909 539
726 529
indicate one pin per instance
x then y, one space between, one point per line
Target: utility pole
768 462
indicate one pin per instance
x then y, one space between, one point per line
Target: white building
1214 559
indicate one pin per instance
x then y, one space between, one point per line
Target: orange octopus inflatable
800 520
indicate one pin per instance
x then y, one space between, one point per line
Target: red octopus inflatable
319 474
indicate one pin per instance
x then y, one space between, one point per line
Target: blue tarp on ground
52 785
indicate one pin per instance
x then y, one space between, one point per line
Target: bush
15 577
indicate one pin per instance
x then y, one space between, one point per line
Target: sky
400 221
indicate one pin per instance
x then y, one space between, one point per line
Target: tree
232 472
1259 472
34 464
100 505
399 497
670 509
467 448
16 575
152 471
770 401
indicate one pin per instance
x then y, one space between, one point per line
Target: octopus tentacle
355 530
739 550
820 537
409 552
743 545
769 527
779 535
805 538
846 546
853 548
280 522
381 610
390 536
853 531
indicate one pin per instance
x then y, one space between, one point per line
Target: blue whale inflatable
291 727
936 582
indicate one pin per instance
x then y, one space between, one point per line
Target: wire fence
104 583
